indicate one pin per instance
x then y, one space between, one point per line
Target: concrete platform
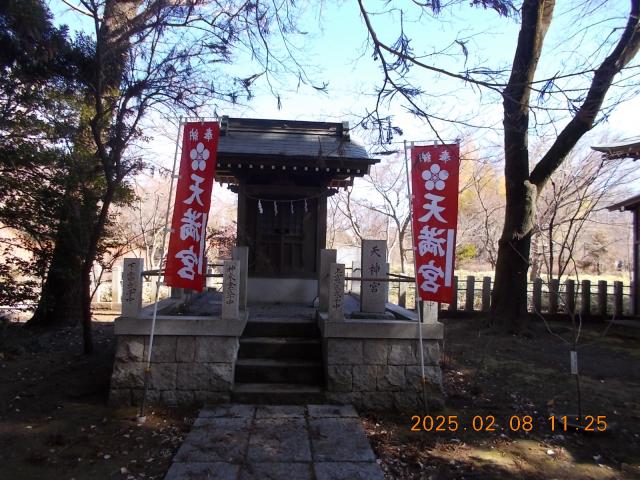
245 442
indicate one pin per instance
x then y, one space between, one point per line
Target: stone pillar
116 287
132 286
430 312
470 293
336 292
242 255
537 295
231 290
486 294
617 298
585 297
602 298
327 257
373 295
570 295
453 306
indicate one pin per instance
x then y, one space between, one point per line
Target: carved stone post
336 292
327 257
132 286
373 295
242 255
231 290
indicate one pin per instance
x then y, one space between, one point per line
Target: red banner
186 264
434 184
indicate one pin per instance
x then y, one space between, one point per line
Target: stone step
280 348
262 370
281 328
277 394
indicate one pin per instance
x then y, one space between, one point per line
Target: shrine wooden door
285 240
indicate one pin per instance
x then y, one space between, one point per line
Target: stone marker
132 286
231 290
430 312
116 287
486 294
327 257
242 254
602 298
373 295
336 292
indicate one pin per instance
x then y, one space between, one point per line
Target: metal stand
147 369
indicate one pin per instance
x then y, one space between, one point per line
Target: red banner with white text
186 263
434 185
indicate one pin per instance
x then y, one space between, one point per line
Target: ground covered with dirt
501 391
54 418
55 421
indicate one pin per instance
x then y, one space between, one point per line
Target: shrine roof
251 138
628 204
623 149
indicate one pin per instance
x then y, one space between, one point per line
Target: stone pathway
272 442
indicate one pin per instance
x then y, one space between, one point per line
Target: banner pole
147 369
419 303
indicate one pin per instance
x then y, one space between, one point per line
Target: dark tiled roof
624 149
289 139
628 204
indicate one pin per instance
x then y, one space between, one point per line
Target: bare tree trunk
509 298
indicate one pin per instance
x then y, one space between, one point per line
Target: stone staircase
280 358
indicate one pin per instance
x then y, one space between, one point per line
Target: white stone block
336 292
327 257
231 290
132 286
430 312
242 254
373 295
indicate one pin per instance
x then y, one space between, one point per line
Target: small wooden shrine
283 172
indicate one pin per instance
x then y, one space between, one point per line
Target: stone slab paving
272 442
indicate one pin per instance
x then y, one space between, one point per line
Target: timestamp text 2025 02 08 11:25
515 423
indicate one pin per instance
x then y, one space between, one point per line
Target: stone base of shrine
375 364
193 360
